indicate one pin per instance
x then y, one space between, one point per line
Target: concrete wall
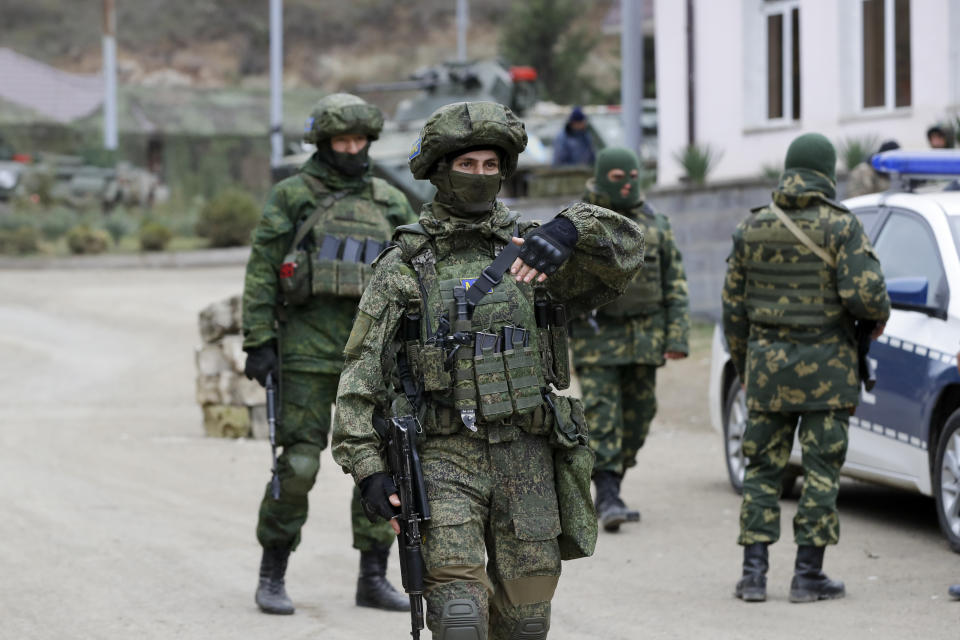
730 77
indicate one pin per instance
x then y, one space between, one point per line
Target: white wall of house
731 58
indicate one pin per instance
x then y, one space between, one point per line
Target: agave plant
697 161
856 149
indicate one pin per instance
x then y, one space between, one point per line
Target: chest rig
334 246
481 360
787 285
644 294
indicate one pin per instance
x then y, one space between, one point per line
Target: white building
765 71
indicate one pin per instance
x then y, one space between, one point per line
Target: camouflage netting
233 407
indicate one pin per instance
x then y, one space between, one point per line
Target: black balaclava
352 165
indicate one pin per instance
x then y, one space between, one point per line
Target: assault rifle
272 424
407 474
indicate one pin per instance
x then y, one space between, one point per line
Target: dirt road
120 520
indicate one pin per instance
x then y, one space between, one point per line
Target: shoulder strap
314 217
492 274
801 236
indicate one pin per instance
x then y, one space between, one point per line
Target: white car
906 431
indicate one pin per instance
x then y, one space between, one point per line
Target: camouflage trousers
492 537
306 399
766 444
619 402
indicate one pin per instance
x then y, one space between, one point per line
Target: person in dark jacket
573 145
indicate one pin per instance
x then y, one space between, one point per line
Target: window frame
889 61
784 8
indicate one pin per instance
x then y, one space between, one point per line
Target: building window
783 60
886 53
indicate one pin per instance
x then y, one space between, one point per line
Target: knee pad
460 620
304 461
531 629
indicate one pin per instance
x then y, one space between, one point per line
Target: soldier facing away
618 347
308 265
790 303
490 424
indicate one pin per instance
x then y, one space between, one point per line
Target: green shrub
118 224
154 236
19 241
228 219
697 161
55 223
853 150
84 240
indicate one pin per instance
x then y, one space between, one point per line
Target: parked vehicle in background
906 430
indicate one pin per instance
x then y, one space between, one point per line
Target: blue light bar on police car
940 162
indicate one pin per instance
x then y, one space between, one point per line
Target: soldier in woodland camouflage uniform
788 316
618 347
298 307
865 179
490 424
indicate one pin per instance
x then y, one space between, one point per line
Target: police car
906 431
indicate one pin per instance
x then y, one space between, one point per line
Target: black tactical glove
548 246
376 490
261 361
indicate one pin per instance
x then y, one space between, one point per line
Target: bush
697 161
154 236
18 242
55 223
119 224
856 149
84 240
228 219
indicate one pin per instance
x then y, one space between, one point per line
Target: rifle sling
801 236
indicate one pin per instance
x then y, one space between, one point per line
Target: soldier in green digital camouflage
790 302
309 263
491 426
618 347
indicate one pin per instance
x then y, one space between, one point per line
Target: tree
541 33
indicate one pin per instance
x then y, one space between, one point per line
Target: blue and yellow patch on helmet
415 149
466 283
309 125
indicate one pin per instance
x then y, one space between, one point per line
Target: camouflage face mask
468 193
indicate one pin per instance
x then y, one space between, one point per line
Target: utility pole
463 22
109 76
276 82
631 71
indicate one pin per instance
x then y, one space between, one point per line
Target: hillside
216 43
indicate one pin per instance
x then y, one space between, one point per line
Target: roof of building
47 91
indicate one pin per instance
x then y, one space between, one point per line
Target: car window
869 218
955 228
907 249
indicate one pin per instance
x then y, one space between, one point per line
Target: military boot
271 594
373 590
809 582
610 508
752 587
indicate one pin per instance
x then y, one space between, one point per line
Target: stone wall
233 407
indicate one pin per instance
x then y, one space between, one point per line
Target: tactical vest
335 245
514 344
787 285
644 294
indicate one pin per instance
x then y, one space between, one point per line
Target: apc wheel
946 480
734 426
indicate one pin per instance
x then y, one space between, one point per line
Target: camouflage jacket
789 368
608 253
864 179
638 333
314 334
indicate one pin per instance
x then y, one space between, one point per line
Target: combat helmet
340 113
465 125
